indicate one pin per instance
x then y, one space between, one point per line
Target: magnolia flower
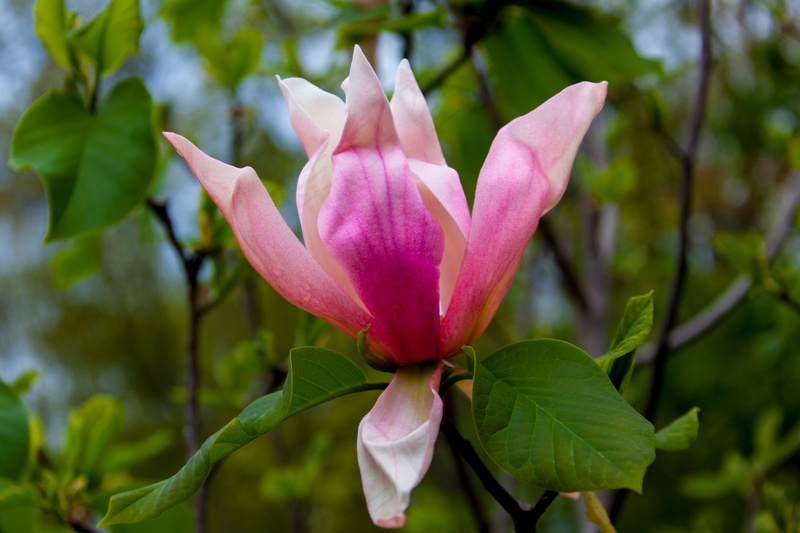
390 244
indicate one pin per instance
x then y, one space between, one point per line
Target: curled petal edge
396 440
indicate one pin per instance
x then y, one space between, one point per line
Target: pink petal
376 227
525 174
395 441
268 243
438 184
413 120
318 119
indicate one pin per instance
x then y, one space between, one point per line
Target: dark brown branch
448 71
191 261
524 518
685 196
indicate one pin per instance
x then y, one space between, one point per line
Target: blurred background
101 315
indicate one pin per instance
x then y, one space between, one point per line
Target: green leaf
633 328
125 455
111 35
53 22
24 382
91 428
548 415
96 168
79 261
15 495
596 513
189 16
680 433
315 376
233 61
14 434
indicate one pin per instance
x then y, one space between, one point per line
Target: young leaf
14 434
636 324
233 61
111 35
96 168
548 415
315 376
633 329
91 428
52 23
680 433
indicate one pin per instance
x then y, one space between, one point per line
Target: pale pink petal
525 174
268 243
413 120
317 118
443 197
395 441
376 227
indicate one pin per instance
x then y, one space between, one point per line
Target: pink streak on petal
413 120
524 175
376 227
440 187
268 243
396 440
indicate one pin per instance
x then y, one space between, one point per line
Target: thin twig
463 479
687 176
191 266
524 518
706 319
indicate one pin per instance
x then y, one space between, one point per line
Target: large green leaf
315 376
14 434
16 495
96 168
549 45
547 414
52 23
111 35
680 433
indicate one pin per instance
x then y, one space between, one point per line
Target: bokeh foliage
102 318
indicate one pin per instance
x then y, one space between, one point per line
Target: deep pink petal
396 439
268 243
376 227
525 174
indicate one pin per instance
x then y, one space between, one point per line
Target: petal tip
395 522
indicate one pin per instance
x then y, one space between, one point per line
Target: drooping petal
438 184
268 242
525 174
395 441
376 227
318 119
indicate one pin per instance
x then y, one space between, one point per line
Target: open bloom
390 244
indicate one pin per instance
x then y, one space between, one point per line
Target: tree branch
524 518
709 317
685 197
191 266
